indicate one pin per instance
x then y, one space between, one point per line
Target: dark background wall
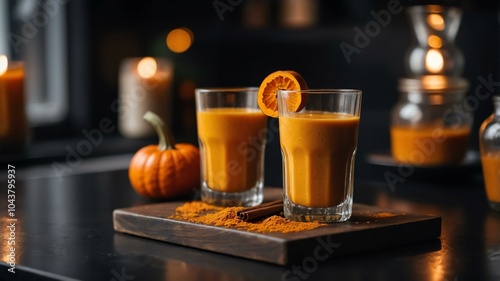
227 52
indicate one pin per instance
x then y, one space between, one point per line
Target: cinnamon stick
262 210
275 202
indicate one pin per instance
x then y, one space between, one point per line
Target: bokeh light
434 61
434 41
180 39
436 21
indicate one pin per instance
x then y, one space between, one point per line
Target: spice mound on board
202 213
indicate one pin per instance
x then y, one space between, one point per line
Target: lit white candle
145 85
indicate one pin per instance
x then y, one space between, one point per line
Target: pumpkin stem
166 139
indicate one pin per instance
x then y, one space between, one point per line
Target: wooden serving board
369 228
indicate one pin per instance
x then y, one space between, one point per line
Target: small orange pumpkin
166 170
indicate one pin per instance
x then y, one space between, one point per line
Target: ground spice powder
199 212
384 215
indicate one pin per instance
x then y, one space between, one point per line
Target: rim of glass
324 91
225 89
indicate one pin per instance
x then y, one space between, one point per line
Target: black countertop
64 230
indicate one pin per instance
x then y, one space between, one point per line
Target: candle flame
4 64
436 21
434 61
147 67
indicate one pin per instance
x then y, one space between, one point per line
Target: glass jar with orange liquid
430 124
489 144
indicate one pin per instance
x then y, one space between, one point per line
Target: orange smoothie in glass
429 145
231 142
491 173
318 150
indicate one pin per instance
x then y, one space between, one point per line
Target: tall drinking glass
318 145
232 138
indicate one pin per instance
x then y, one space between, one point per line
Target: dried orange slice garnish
267 97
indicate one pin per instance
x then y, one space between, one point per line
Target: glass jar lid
433 84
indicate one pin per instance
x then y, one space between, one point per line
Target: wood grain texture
368 229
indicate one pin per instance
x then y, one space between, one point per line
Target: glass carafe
434 52
489 143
